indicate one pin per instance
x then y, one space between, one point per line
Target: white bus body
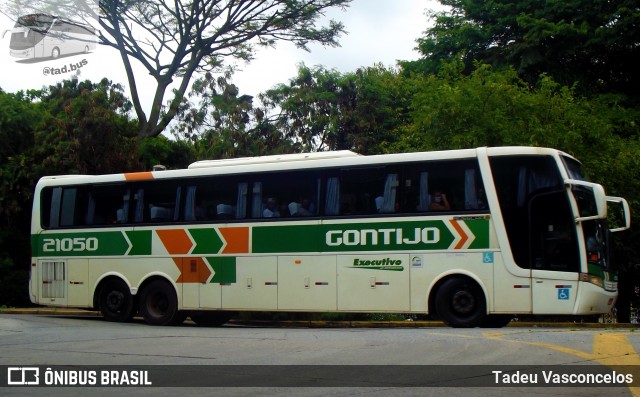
515 230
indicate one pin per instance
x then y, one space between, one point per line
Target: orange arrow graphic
176 241
237 239
462 234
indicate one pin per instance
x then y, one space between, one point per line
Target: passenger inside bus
439 202
271 210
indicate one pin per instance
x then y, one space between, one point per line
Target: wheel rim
158 305
115 301
463 302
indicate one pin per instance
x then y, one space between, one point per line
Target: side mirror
620 213
590 198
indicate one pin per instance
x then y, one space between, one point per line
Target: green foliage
163 151
322 109
225 124
87 131
591 42
72 127
496 108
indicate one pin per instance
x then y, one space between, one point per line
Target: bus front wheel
159 304
115 301
460 303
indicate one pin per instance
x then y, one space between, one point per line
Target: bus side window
215 199
359 189
285 195
157 202
107 205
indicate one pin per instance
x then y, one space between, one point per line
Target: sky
378 31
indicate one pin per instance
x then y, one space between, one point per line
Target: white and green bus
471 237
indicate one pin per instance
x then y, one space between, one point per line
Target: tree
20 117
591 42
174 40
71 127
88 130
224 124
323 109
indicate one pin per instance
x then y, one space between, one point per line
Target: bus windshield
574 169
41 21
30 30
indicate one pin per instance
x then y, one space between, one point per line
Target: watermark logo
23 376
32 376
72 67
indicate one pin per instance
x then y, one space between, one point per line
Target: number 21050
77 244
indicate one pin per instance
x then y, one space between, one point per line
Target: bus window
215 199
108 205
285 195
452 185
157 202
362 190
62 207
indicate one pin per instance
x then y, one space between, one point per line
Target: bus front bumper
28 53
594 300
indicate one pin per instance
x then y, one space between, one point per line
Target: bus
43 35
471 237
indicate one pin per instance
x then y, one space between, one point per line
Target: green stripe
274 238
113 243
141 241
224 269
83 244
480 228
207 241
375 236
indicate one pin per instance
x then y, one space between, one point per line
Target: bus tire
159 304
115 301
460 303
210 319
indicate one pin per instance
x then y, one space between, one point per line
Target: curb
335 324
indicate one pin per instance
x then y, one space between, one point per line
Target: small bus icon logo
23 376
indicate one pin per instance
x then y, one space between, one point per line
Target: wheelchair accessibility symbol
487 257
563 293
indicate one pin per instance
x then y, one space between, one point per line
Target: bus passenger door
555 259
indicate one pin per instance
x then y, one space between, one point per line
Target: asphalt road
372 361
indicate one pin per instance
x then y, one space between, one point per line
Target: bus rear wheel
460 303
159 304
115 301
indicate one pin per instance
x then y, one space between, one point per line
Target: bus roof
274 159
297 161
